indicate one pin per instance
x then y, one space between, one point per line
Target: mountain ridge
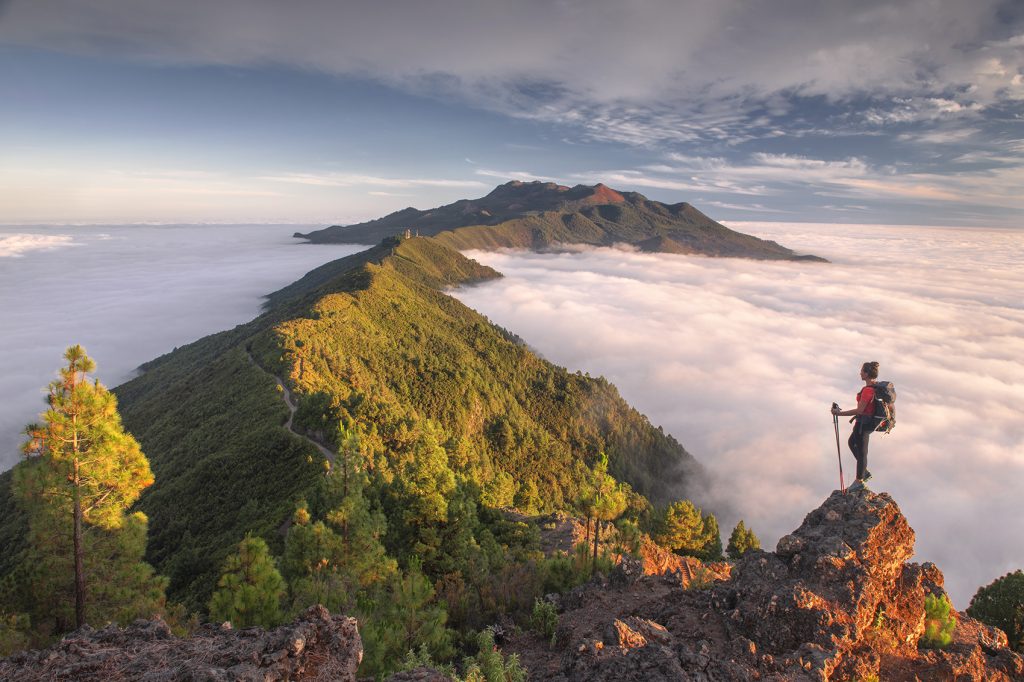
541 215
372 341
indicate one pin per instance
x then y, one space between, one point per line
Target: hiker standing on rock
863 420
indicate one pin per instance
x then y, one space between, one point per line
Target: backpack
885 406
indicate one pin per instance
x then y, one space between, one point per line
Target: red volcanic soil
604 195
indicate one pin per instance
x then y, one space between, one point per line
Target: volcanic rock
316 646
837 600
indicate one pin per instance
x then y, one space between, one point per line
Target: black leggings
859 444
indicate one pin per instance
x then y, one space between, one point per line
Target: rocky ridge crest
837 600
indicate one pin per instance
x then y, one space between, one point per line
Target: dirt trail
292 407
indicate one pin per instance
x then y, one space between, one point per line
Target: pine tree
82 471
687 532
403 616
250 588
333 560
610 499
425 479
712 550
741 540
311 565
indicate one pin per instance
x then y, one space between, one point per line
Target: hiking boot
856 485
867 476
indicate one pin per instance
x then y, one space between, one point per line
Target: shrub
559 574
939 623
628 537
489 665
1001 605
544 619
421 659
702 579
13 633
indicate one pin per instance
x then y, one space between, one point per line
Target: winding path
292 407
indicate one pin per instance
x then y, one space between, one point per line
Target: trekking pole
839 454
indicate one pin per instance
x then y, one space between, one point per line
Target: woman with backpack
864 420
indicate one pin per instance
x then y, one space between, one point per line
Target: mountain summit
538 215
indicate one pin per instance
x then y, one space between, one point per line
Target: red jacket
867 393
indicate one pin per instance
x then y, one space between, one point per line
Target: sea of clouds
741 360
128 294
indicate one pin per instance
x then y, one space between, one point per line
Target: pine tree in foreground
82 472
250 588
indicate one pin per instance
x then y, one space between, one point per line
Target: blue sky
323 112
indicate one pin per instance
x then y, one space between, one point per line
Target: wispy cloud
524 176
767 174
356 180
752 208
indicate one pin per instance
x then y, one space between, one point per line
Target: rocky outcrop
837 600
316 646
659 561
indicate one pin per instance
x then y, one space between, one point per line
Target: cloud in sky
995 185
740 361
351 180
67 285
638 73
599 51
912 107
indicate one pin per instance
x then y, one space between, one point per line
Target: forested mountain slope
378 347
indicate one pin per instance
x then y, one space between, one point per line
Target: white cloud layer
128 294
18 244
740 360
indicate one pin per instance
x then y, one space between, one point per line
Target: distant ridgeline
537 215
446 406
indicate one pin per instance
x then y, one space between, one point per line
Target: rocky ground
317 646
837 600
